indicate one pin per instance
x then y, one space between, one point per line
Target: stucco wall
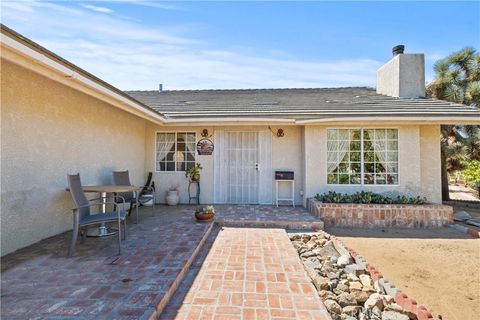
286 154
47 131
419 157
431 178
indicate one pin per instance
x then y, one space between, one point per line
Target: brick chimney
403 76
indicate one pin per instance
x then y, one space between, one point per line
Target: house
57 118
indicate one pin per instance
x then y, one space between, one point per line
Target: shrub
472 174
366 198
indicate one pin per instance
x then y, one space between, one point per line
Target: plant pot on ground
193 173
173 196
204 213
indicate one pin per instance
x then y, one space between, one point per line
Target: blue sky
201 45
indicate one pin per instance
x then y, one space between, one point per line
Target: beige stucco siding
431 180
286 154
47 131
419 172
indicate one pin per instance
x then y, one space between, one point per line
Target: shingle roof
296 104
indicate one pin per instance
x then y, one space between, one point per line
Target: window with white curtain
362 156
175 151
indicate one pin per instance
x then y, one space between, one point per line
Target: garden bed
381 215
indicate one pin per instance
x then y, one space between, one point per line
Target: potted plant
173 196
204 213
193 173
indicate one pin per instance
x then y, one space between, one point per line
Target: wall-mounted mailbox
284 175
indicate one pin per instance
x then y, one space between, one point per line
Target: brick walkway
251 274
38 282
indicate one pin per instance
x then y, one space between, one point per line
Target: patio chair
122 178
82 216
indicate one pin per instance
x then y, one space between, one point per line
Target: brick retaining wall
381 215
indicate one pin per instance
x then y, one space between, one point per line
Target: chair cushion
102 217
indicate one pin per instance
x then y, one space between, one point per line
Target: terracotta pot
172 197
204 216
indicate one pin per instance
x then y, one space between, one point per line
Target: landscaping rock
332 306
321 283
352 277
354 269
375 300
346 299
312 262
355 285
329 250
351 310
360 296
343 260
366 280
393 315
325 295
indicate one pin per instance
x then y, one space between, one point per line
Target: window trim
362 184
155 161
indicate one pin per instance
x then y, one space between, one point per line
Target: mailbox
284 175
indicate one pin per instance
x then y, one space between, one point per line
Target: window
175 151
362 156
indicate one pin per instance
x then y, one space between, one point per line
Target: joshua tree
457 79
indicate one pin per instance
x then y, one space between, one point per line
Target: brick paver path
39 282
252 274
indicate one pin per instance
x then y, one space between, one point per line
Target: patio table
103 231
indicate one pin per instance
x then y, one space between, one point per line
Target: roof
297 104
250 105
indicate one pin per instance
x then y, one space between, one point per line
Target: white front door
243 167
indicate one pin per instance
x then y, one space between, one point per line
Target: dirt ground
439 268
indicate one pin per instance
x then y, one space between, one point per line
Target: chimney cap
398 49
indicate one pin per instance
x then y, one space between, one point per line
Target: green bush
366 198
472 175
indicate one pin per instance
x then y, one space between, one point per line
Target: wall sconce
280 133
204 133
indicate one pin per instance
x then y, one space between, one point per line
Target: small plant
205 210
193 173
367 197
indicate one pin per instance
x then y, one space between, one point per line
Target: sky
136 45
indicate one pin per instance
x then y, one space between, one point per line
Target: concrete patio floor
39 282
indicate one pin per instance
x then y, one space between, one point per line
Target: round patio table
103 231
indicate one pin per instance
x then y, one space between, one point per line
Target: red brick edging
381 215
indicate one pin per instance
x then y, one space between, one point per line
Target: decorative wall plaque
205 147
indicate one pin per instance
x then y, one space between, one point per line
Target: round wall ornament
205 147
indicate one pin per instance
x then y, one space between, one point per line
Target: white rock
366 280
375 300
393 315
343 260
352 277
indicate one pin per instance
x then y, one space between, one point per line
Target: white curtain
380 147
337 150
163 147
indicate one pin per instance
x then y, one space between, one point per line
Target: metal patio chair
82 216
122 178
